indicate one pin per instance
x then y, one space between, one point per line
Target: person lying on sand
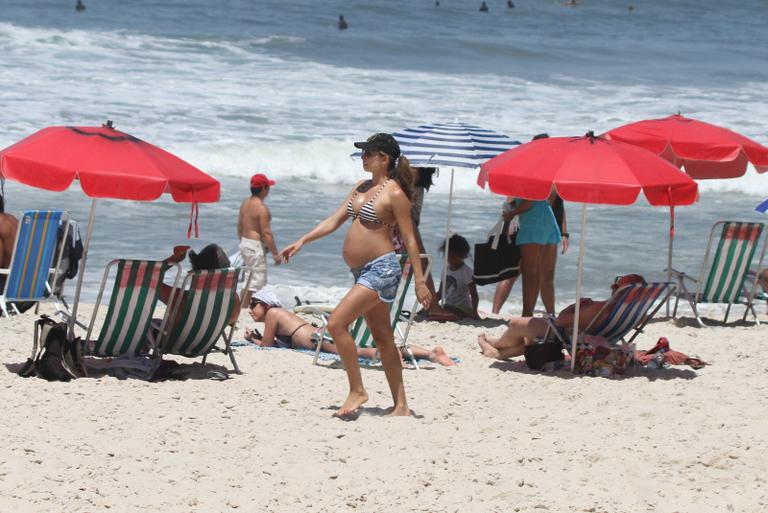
522 331
286 329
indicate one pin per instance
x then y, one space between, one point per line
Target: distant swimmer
510 4
437 3
483 7
571 3
631 8
342 23
80 6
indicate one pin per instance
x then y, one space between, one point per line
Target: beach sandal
695 362
443 317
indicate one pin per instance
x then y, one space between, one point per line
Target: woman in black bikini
376 206
286 329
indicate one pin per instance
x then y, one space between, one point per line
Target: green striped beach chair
202 316
359 330
35 260
732 246
127 327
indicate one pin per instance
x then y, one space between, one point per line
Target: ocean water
241 86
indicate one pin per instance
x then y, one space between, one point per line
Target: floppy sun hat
627 279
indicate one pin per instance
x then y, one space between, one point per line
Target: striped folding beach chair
35 261
202 315
721 278
127 327
359 329
630 309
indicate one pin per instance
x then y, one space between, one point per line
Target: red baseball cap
261 180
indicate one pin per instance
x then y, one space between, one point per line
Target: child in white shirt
460 290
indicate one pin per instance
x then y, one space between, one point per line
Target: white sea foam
230 106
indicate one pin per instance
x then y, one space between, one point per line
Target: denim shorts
381 275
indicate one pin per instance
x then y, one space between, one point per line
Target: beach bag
499 258
540 353
54 358
596 357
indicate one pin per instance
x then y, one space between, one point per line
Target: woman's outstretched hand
423 294
290 250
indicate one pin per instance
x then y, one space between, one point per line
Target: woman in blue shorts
378 207
537 237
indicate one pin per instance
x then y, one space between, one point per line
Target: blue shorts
381 275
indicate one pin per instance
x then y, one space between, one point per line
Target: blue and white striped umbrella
450 145
762 207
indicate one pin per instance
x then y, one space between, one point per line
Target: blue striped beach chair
127 327
202 315
359 330
730 251
630 309
35 260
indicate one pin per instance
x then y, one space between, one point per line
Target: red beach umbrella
587 169
108 163
702 149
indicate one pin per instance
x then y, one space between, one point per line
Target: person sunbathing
522 331
286 329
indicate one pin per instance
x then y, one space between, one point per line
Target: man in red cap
253 228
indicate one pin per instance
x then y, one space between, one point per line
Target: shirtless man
253 229
523 330
286 329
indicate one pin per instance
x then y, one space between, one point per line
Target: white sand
487 436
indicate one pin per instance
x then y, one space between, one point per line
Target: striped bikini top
367 212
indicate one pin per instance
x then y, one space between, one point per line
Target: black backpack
54 358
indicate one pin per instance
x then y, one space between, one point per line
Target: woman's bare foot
486 348
354 401
400 411
439 355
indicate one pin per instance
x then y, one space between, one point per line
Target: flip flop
695 362
442 317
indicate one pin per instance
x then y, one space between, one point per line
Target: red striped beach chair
201 317
722 277
127 327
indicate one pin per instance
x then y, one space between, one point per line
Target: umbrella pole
669 260
73 317
447 231
579 274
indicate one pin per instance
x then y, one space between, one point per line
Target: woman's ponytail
404 175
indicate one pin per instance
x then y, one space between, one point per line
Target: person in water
483 7
342 23
80 6
377 207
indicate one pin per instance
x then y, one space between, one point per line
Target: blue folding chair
35 260
630 308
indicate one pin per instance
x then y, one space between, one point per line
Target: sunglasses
371 153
